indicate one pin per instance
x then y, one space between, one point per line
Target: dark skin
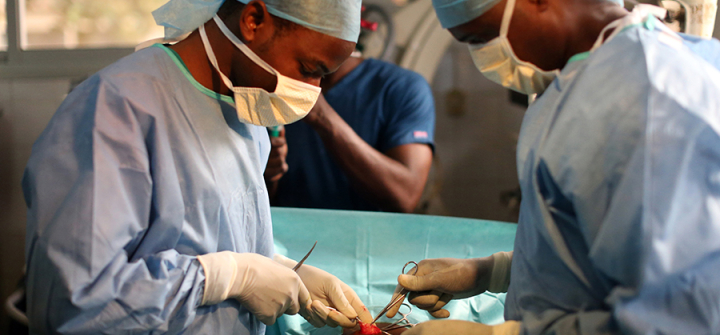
544 32
296 52
393 180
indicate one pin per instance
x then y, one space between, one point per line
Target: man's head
543 32
292 49
301 39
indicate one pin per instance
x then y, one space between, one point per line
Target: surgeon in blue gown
147 208
619 165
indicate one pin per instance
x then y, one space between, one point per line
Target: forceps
404 322
401 295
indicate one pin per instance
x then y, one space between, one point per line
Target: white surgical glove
326 291
266 288
458 327
439 280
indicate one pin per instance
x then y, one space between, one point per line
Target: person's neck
192 52
348 66
589 25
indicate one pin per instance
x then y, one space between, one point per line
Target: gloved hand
266 288
437 281
458 327
326 291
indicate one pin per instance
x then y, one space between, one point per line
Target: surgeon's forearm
386 182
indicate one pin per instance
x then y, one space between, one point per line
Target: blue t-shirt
386 105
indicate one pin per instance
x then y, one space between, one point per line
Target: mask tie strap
259 61
242 46
601 39
507 15
213 59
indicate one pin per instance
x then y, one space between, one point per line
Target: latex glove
326 291
266 288
440 280
458 327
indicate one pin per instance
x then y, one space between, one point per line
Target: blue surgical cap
337 18
453 13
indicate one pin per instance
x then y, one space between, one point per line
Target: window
71 38
3 26
80 24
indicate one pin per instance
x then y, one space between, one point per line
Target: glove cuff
500 277
220 271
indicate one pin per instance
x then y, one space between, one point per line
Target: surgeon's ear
255 22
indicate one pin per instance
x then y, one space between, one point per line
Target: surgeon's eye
478 41
313 74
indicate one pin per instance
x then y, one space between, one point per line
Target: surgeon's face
305 54
293 50
533 32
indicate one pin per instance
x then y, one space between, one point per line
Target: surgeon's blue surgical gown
619 163
140 170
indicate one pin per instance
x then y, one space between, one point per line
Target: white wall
475 149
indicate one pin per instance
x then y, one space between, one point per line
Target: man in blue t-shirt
367 144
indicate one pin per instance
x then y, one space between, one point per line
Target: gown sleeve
672 285
91 198
644 190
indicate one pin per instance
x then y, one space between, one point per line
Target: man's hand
277 163
266 288
326 291
437 281
458 327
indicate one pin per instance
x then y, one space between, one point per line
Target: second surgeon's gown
619 163
140 170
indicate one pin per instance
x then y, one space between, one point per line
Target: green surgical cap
453 13
337 18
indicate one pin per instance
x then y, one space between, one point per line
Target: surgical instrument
300 263
401 295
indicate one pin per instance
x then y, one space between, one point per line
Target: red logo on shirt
420 134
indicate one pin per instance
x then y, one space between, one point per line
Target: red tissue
369 329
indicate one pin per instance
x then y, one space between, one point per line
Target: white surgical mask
290 102
497 61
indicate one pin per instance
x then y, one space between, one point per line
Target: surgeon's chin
356 330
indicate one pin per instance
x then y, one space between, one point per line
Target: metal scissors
300 263
401 295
